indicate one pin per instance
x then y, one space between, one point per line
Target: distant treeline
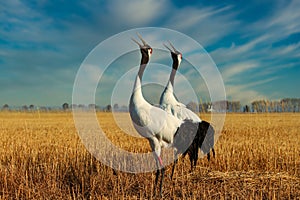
65 107
258 106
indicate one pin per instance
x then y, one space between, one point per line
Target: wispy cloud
232 72
136 12
280 23
283 21
207 25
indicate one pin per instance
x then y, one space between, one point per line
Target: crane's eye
180 56
150 50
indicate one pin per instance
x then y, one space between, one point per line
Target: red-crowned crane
170 104
162 129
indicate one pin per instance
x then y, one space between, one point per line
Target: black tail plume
185 136
207 134
204 140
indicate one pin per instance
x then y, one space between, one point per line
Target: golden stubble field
42 157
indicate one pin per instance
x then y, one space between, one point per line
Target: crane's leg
174 165
208 156
159 164
154 143
173 168
191 161
161 181
156 179
195 161
214 154
196 158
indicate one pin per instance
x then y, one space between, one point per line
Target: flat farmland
42 157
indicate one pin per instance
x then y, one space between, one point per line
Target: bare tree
65 106
246 108
73 106
116 106
31 107
108 108
124 108
5 107
92 106
81 106
24 108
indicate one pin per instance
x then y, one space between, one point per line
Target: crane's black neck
174 69
144 62
172 76
175 64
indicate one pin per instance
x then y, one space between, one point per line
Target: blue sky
255 45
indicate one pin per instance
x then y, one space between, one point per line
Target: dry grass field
42 157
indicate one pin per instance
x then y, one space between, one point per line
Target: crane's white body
169 103
152 122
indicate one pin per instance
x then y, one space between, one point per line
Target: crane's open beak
140 45
143 41
168 48
172 46
173 50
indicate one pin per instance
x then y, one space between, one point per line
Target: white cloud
136 12
287 18
287 51
86 83
232 71
250 50
208 25
245 93
281 23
